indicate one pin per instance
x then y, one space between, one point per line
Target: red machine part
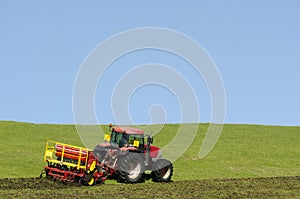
153 151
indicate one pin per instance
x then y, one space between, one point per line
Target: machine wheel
88 180
131 168
91 182
163 171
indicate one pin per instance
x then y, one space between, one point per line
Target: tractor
128 157
124 155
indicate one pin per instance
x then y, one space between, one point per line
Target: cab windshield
118 139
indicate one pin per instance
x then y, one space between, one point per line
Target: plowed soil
275 187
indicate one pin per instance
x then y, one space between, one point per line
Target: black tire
131 168
88 180
162 171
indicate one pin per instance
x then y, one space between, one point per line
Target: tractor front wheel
163 171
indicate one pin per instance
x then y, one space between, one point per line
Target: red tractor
124 155
128 156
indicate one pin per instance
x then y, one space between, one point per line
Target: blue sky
255 45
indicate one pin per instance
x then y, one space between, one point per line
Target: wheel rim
166 172
91 181
134 170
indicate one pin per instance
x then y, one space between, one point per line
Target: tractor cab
130 138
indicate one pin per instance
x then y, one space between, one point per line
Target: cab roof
128 130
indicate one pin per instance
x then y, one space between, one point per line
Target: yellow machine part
50 155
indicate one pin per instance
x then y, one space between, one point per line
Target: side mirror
150 139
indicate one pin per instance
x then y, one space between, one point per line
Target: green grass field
242 151
247 162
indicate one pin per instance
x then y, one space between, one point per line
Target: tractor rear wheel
163 171
131 168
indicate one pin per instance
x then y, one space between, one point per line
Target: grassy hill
242 150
